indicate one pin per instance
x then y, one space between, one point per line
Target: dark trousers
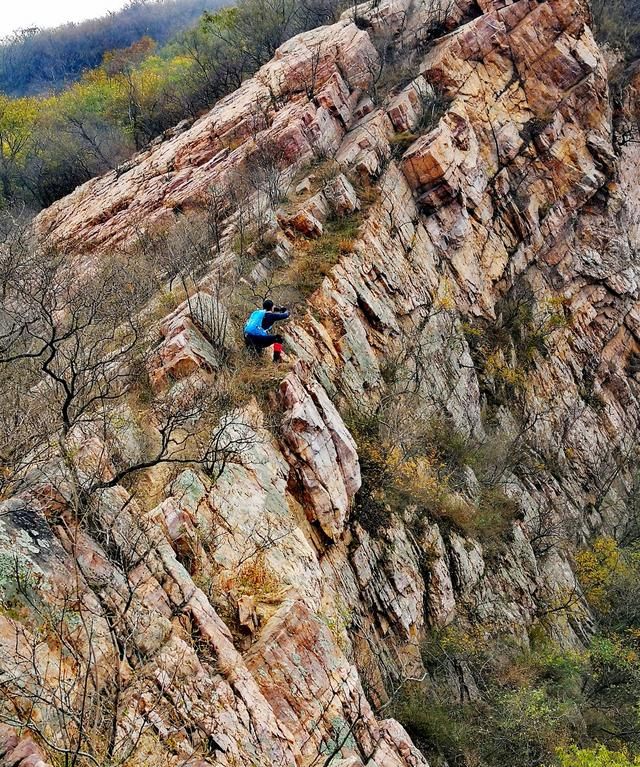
256 343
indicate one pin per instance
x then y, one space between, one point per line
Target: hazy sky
18 14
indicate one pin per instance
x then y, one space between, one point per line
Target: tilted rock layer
518 181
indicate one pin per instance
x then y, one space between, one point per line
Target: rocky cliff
268 623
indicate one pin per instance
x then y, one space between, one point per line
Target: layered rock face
517 183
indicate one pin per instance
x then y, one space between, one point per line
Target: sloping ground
517 182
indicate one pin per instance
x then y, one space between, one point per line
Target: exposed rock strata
517 182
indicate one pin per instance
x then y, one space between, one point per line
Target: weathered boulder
18 751
195 337
341 196
406 110
337 198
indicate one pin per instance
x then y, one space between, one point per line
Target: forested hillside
37 60
617 23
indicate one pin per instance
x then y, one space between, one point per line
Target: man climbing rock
260 322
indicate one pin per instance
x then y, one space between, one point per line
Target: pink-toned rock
364 107
395 747
305 185
19 752
313 688
8 740
322 452
366 147
517 183
178 520
185 348
341 196
91 456
444 156
334 97
429 159
389 577
177 172
337 197
308 219
405 109
180 355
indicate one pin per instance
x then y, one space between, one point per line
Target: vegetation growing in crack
505 351
417 465
312 258
424 481
432 106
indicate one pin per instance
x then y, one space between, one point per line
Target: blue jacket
261 320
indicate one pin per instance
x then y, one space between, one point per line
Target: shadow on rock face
24 530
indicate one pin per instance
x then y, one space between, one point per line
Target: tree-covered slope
40 60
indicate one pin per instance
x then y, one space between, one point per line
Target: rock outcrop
20 752
261 602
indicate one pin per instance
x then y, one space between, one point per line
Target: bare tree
265 171
547 529
75 337
66 351
76 668
217 204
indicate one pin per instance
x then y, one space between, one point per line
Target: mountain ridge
460 253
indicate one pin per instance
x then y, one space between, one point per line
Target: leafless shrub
210 315
433 105
265 171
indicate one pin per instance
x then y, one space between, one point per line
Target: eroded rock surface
261 603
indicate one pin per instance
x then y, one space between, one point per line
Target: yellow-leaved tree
600 756
17 120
